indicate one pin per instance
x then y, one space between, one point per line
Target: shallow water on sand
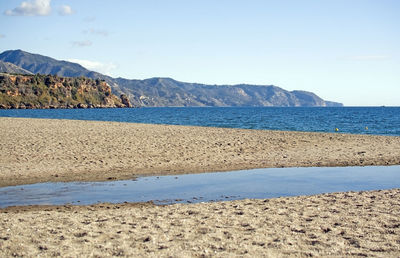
255 183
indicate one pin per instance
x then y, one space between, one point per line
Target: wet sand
42 150
340 224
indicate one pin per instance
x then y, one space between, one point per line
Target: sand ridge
41 150
336 224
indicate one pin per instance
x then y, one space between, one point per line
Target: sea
351 120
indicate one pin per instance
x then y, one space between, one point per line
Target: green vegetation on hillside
51 91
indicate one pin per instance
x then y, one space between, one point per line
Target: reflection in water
256 183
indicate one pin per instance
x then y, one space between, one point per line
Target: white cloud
83 43
104 68
96 32
31 8
65 10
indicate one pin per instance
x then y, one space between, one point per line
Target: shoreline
53 150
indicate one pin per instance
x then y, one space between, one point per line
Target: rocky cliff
52 91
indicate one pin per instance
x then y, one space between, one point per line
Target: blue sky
342 50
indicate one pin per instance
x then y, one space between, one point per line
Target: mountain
169 92
46 65
52 91
6 67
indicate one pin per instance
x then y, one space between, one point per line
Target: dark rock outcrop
125 101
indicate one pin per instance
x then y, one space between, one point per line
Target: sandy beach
336 224
340 224
42 150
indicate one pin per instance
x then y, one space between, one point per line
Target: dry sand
40 150
340 224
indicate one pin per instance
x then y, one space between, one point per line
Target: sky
343 50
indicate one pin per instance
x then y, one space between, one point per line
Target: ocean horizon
353 120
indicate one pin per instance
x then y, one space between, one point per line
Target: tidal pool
206 187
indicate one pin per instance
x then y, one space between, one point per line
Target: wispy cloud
89 19
104 68
83 43
368 57
2 36
96 32
31 8
65 10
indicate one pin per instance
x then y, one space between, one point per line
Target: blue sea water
354 120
